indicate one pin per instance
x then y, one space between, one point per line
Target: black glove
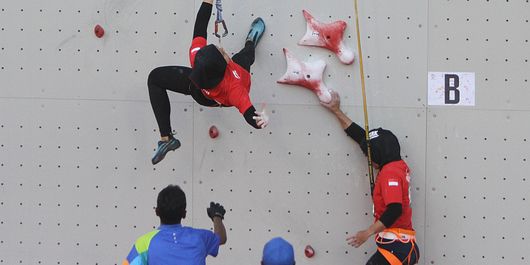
216 209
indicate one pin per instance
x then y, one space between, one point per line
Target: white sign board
451 88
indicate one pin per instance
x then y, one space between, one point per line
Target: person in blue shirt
278 252
173 243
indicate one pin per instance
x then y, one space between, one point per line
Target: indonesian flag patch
393 183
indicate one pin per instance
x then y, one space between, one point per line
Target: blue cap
278 252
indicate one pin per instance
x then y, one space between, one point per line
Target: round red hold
309 251
213 132
99 31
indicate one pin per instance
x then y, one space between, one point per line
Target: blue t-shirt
174 244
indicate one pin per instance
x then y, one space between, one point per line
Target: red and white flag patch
393 183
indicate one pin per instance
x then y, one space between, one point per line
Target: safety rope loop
219 20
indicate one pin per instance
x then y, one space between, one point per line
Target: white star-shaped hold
306 74
327 35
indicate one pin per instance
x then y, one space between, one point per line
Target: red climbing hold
99 31
309 251
213 132
327 35
306 74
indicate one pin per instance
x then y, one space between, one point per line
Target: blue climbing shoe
257 28
163 147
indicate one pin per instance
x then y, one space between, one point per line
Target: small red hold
309 251
213 132
99 31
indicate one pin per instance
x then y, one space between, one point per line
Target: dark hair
385 146
209 69
171 205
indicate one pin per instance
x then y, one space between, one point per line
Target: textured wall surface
77 131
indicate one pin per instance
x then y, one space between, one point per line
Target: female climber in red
213 80
394 235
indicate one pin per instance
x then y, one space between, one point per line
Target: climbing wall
477 165
77 130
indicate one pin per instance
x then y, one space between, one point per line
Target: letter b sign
452 94
451 89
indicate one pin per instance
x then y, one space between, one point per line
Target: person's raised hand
216 210
334 104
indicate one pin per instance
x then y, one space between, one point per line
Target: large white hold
327 35
306 74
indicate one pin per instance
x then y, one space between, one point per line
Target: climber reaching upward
392 227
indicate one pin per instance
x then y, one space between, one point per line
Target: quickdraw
220 20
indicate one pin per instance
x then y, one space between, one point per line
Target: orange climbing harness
392 235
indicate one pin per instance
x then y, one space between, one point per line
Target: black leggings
400 250
175 78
